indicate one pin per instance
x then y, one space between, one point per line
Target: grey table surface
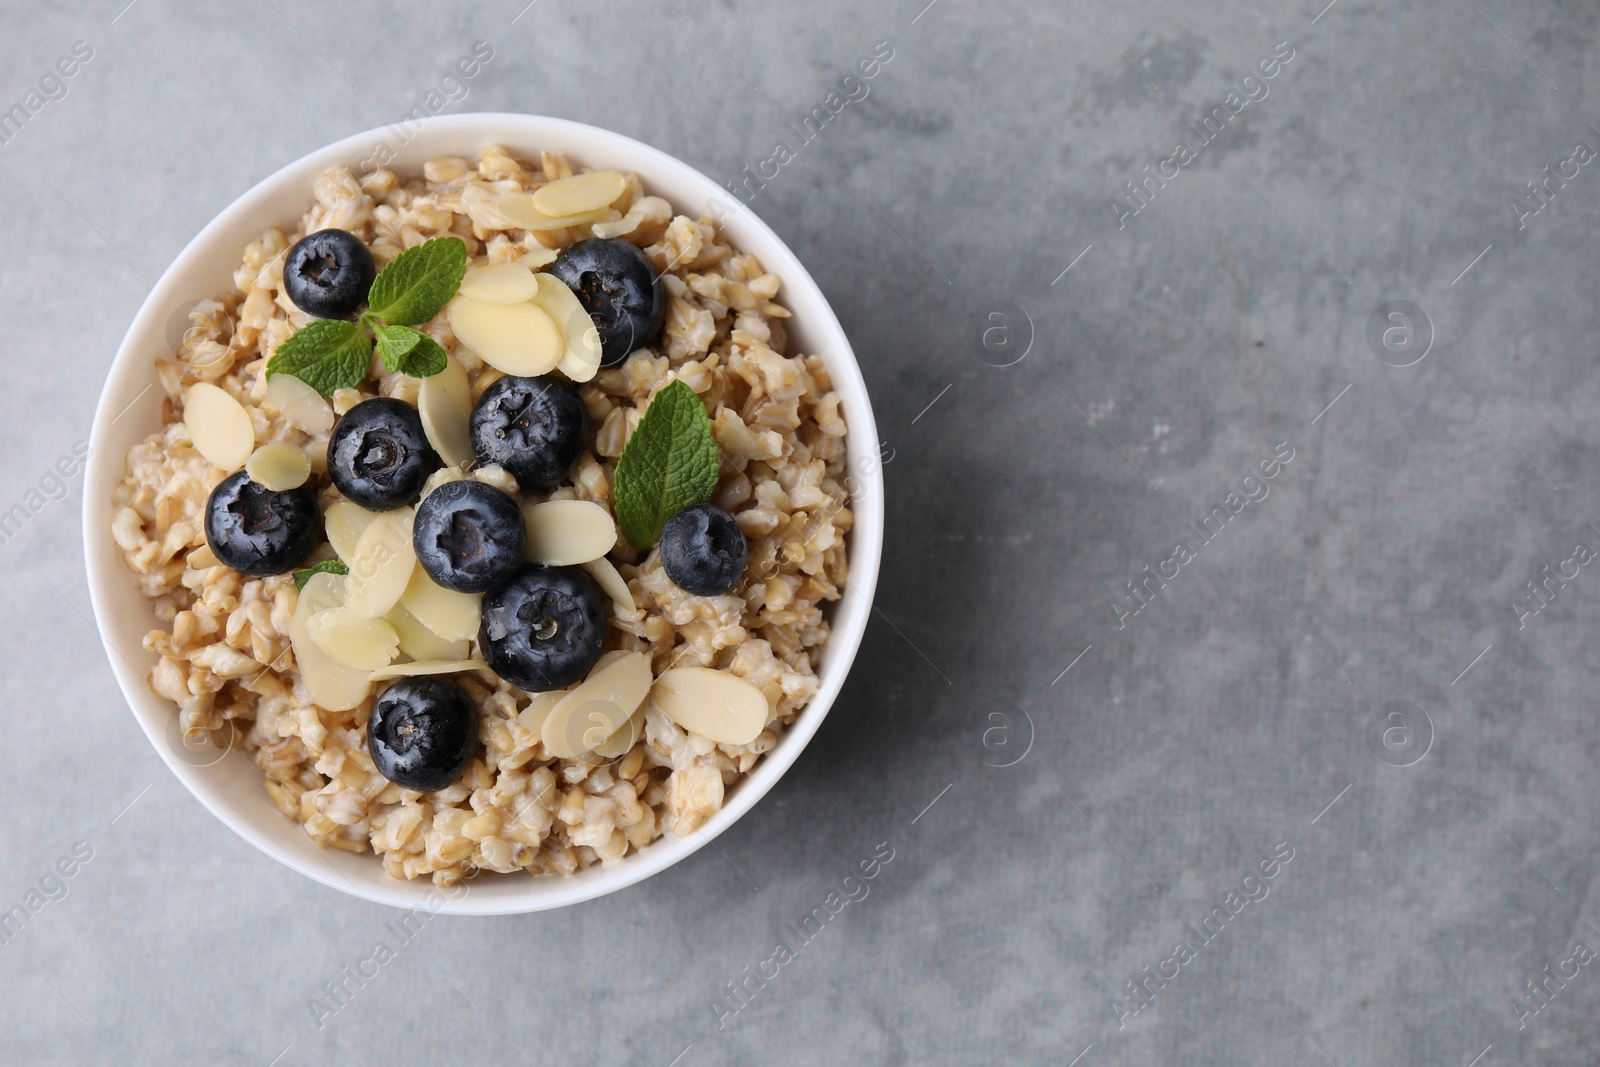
1346 665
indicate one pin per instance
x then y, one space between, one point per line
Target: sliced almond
499 283
302 406
219 426
599 706
532 717
419 667
539 257
518 210
645 208
451 615
444 401
354 640
579 193
610 580
497 476
383 563
607 659
563 533
719 706
620 742
331 684
580 360
344 522
625 225
279 467
442 476
517 339
421 643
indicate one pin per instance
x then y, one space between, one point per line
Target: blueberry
378 455
543 629
423 732
535 428
620 290
468 536
328 273
258 532
703 550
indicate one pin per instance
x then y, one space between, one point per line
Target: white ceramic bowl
229 784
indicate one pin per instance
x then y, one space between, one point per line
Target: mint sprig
420 281
333 354
327 566
670 463
409 351
328 354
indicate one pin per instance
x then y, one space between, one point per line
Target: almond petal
331 684
421 643
451 615
444 401
383 563
279 467
579 193
580 360
719 706
532 717
563 533
499 283
442 476
302 406
610 580
598 707
219 426
517 210
620 742
354 640
344 522
410 670
517 339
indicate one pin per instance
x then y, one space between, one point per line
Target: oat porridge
492 516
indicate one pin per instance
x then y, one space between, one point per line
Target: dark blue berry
258 532
703 550
468 536
544 628
535 428
378 455
423 732
620 289
328 274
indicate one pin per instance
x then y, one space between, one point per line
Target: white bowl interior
129 410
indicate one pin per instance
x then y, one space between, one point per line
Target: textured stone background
1179 750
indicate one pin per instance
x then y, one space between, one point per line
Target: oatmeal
690 667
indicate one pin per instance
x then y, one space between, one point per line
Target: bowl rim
467 133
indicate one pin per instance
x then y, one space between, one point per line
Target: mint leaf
412 289
669 463
327 566
426 358
394 342
409 351
326 354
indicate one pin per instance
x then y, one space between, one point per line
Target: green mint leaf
425 358
409 351
394 342
326 354
412 289
327 566
669 463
